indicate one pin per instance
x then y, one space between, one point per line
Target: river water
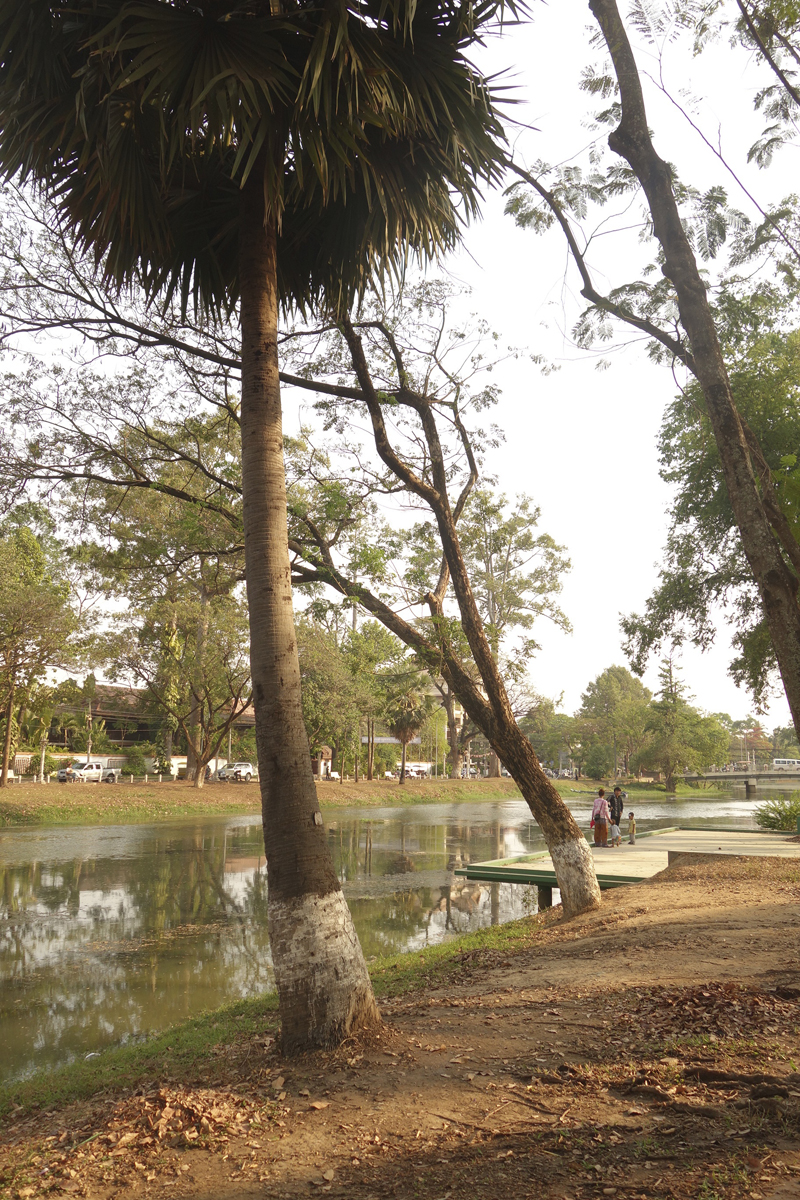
112 932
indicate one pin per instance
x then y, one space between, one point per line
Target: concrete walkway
629 864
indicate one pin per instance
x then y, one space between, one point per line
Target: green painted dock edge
487 873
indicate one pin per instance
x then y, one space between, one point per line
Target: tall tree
428 449
614 710
774 557
406 713
687 224
680 736
224 152
516 571
704 565
200 674
37 626
516 575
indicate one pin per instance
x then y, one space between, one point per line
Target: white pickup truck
93 771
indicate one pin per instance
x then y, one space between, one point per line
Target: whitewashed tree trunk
324 990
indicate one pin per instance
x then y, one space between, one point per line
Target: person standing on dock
631 829
600 816
616 805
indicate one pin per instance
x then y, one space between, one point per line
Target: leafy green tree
680 736
201 677
331 695
418 412
376 660
784 742
704 565
37 626
598 759
516 572
678 310
552 733
614 713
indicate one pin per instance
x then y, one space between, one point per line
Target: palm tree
265 153
406 716
37 728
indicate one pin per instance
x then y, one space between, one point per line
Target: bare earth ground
650 1049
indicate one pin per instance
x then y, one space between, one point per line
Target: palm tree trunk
41 757
194 767
403 764
324 990
370 748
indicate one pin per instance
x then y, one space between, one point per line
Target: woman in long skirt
600 818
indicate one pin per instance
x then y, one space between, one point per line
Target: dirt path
648 1050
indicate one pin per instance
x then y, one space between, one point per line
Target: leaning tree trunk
572 858
631 140
491 712
324 990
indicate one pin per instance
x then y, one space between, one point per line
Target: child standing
631 829
614 834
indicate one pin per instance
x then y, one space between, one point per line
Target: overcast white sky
582 442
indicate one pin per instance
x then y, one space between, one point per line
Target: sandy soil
647 1050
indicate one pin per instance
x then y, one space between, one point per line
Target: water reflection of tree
169 930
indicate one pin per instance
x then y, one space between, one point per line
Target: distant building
130 714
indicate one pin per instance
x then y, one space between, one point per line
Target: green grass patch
191 1051
124 803
29 804
398 974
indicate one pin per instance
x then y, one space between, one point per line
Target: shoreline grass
29 805
189 1051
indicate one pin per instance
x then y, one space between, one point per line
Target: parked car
88 772
239 772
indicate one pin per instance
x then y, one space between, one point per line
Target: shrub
134 761
598 762
780 813
51 764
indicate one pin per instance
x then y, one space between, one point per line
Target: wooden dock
652 853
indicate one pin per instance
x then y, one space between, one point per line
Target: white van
786 764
